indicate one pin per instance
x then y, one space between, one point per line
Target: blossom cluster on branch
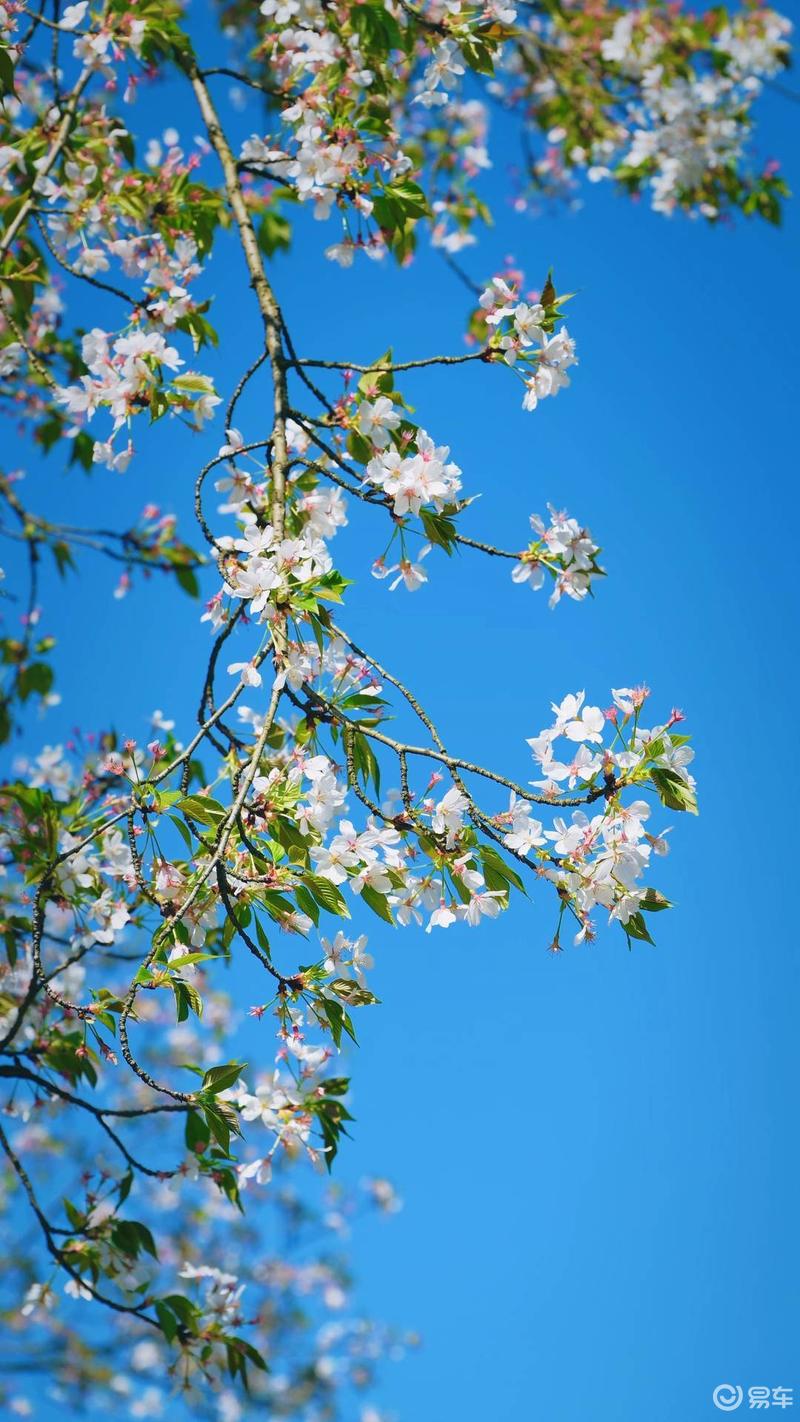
314 785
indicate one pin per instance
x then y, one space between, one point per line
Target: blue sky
598 1153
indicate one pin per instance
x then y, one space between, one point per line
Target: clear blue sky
598 1153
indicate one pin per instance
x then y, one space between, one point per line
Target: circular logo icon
727 1397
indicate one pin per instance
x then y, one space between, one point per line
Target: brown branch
485 354
452 762
268 306
59 1254
49 160
17 1072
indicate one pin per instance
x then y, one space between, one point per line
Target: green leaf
183 1307
6 72
189 959
240 1353
187 999
410 195
674 791
74 1215
654 901
331 1115
548 293
307 903
495 867
219 1078
318 629
131 1237
377 902
359 447
38 677
332 586
366 761
378 376
185 832
352 993
338 1019
63 556
327 894
83 451
439 530
222 1122
187 579
378 30
478 55
180 933
274 233
637 928
167 1320
194 383
202 808
196 1133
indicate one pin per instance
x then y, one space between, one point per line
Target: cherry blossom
312 805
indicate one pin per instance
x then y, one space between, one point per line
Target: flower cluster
126 377
563 550
422 475
271 567
313 793
669 110
525 334
598 859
